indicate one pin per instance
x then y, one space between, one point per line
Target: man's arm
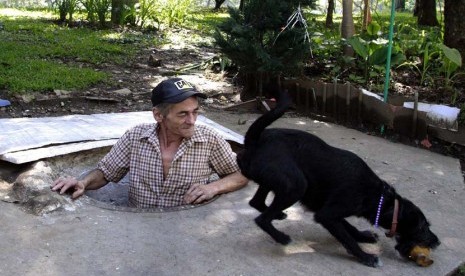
229 183
91 181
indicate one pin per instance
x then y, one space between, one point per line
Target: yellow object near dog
420 255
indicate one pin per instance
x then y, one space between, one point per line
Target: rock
123 92
27 98
154 62
61 92
32 190
140 66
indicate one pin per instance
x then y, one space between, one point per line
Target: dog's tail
283 101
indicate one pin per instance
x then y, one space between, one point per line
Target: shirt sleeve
223 159
115 165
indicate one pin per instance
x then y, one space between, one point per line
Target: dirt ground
131 84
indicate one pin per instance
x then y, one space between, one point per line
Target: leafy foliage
255 38
373 51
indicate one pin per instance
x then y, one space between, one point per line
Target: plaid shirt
138 152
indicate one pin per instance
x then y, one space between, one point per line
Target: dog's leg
289 193
264 220
258 201
338 229
360 236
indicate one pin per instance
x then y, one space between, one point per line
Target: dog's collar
392 232
378 211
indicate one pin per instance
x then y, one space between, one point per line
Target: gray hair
164 108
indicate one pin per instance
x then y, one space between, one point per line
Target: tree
426 12
329 14
261 42
454 25
121 11
400 5
347 25
366 14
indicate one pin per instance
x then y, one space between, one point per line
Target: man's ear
157 115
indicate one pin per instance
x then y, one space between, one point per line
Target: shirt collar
151 134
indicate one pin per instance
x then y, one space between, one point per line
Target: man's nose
190 119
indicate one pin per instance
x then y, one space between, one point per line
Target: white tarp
29 139
439 115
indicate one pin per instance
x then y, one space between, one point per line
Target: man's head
174 90
176 107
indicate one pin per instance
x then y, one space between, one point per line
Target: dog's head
415 239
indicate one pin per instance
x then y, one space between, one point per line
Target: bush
259 40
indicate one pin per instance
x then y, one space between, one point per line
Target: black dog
332 182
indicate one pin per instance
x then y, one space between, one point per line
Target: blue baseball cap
174 90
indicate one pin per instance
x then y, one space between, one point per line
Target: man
170 162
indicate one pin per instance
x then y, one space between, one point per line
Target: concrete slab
221 238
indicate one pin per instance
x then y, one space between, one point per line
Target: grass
37 55
206 20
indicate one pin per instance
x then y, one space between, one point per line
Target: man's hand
199 193
64 184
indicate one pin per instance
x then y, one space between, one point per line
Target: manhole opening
114 196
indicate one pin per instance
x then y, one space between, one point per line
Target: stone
27 98
154 62
123 92
61 92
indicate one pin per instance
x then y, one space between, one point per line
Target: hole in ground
114 196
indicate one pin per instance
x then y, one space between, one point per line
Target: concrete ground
220 238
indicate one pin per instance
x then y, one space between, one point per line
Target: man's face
181 118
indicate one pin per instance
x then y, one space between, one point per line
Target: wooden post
415 115
297 90
360 106
347 101
335 99
307 101
315 104
324 99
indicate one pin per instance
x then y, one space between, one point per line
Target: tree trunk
415 8
218 4
366 14
427 13
329 14
400 5
347 25
117 7
241 5
454 25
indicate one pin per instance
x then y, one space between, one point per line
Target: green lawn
38 55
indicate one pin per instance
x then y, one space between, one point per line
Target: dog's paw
281 216
282 238
371 260
367 237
